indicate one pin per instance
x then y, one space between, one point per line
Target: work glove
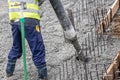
40 2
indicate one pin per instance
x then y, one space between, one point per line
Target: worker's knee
14 54
38 53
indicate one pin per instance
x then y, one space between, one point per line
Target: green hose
23 48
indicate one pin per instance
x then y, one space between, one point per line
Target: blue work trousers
34 39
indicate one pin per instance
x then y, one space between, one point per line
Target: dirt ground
57 50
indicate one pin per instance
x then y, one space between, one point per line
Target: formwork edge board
110 14
115 7
112 68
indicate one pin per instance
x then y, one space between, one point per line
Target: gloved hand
40 2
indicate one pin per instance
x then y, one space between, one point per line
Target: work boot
10 68
42 72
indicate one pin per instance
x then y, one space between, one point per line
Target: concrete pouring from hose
68 28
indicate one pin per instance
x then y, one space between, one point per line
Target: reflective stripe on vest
27 1
31 11
25 10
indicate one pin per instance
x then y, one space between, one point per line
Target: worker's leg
15 51
36 44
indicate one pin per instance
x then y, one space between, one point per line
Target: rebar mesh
87 15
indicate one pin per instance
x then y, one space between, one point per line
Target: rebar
93 45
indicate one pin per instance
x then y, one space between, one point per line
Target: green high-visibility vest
31 11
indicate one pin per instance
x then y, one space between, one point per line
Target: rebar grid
87 15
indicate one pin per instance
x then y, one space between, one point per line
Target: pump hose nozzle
68 28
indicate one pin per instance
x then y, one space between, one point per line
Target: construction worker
32 35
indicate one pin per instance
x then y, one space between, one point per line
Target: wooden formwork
108 18
104 24
111 71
